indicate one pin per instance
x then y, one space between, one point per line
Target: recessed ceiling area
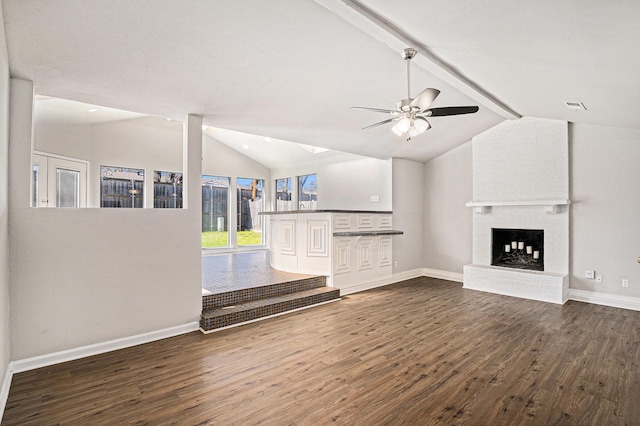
56 111
270 152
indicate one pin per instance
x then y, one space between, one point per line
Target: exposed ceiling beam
377 27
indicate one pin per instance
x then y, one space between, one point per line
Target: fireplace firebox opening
518 248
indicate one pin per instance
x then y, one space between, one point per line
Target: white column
192 165
20 142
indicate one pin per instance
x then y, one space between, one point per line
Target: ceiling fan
410 115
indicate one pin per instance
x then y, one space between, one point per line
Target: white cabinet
350 248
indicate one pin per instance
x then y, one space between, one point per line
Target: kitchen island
350 247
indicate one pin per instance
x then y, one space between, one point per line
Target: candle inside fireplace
521 245
514 245
536 254
507 248
529 249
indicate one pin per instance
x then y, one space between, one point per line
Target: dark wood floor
420 352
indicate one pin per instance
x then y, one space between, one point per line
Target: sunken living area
425 358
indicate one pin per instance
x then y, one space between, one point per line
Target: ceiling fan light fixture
404 124
421 125
396 130
409 116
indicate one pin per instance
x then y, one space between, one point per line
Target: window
307 192
283 194
250 203
167 190
35 182
121 187
215 207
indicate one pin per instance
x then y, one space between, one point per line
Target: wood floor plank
424 351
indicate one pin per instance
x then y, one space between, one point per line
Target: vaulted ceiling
291 69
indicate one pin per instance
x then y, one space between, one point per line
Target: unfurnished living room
319 212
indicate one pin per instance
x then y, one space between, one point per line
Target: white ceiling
290 69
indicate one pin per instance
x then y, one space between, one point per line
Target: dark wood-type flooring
420 352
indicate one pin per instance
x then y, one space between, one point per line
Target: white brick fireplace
521 181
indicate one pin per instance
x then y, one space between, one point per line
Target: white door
59 182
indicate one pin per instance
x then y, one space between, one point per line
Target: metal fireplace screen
518 248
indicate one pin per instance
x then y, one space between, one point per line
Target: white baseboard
605 299
4 391
368 285
444 275
99 348
85 351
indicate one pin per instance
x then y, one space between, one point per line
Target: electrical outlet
395 264
625 283
590 274
599 278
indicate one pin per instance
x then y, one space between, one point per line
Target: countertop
326 211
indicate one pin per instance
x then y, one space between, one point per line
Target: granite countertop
367 233
326 211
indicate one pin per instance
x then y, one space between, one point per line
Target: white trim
99 348
62 157
558 202
267 317
605 299
443 275
368 285
4 391
372 24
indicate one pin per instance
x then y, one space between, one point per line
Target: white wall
448 185
605 208
148 143
408 214
5 336
525 159
83 276
347 185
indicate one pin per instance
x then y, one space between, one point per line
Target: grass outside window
214 239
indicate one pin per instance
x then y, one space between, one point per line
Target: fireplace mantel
551 206
559 202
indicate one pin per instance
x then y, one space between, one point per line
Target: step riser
264 311
236 297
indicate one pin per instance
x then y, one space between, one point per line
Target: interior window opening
121 187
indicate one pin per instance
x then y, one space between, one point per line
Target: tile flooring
236 271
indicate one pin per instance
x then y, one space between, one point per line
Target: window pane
283 194
250 203
167 190
121 187
34 192
215 201
307 195
67 188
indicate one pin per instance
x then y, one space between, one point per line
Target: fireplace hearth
518 248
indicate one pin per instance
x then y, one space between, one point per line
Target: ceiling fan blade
425 98
379 123
387 111
457 110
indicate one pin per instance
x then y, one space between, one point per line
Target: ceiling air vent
576 106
